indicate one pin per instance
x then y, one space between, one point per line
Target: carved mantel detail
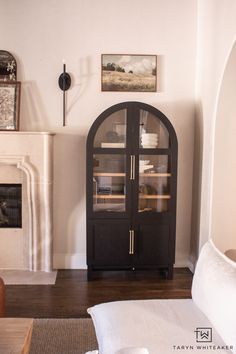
36 163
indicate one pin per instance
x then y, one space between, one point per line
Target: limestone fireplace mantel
31 152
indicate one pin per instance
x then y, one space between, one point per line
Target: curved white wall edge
214 131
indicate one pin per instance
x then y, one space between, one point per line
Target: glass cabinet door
154 183
152 133
109 182
112 131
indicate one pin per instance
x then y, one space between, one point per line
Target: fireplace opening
10 205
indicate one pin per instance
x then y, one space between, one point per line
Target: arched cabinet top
120 123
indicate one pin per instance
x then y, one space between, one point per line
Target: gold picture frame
129 72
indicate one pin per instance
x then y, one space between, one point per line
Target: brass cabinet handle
131 241
132 167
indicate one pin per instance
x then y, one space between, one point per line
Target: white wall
42 33
216 33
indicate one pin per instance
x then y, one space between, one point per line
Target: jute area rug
63 336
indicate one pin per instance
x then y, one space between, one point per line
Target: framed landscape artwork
132 73
9 105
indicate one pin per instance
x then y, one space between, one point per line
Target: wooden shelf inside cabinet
109 196
149 196
105 151
109 174
155 174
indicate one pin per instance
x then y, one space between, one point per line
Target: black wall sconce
64 82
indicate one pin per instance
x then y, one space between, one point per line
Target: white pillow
130 350
133 350
153 324
214 291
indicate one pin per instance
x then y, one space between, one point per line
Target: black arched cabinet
131 190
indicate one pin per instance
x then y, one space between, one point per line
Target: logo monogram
203 334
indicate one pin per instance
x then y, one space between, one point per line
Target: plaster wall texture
40 34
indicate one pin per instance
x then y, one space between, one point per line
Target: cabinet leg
89 274
170 272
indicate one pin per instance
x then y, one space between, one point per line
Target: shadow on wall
81 81
69 193
32 106
33 115
160 73
197 178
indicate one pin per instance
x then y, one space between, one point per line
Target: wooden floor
73 294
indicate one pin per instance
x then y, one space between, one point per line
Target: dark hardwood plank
73 294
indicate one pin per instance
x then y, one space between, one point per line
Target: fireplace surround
31 154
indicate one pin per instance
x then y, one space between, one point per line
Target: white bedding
130 350
161 326
214 291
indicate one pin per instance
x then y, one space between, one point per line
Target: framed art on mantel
129 73
8 66
9 105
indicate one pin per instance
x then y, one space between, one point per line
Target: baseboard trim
191 266
69 261
78 261
183 262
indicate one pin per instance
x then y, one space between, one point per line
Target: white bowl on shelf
149 142
149 135
144 137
